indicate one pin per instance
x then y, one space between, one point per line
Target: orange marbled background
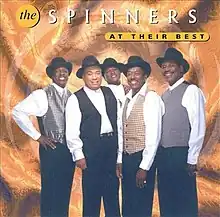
26 52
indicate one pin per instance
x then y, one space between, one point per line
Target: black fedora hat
137 61
175 55
87 62
111 62
56 63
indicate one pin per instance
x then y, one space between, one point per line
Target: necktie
124 114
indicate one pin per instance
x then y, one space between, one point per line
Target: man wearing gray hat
56 164
92 138
141 117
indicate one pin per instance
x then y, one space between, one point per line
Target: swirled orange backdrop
26 52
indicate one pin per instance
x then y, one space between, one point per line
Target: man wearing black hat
183 132
92 138
141 117
56 164
112 70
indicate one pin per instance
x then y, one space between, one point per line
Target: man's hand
47 142
81 163
119 171
141 178
126 88
192 169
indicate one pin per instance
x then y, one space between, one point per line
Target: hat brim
50 69
144 65
183 62
119 66
80 71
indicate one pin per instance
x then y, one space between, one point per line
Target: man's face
136 78
60 76
172 71
112 75
92 77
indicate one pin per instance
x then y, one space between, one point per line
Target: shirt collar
59 89
180 81
120 86
142 92
90 90
114 85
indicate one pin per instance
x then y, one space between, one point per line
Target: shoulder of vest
78 91
165 92
47 87
187 83
69 92
106 89
107 92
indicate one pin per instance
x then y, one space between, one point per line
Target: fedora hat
111 62
137 61
175 55
87 62
56 63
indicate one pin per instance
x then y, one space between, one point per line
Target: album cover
34 32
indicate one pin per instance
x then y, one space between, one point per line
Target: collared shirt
74 116
118 91
194 102
35 104
153 110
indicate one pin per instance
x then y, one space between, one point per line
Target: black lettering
28 15
133 35
164 36
21 15
141 36
112 36
25 14
202 36
33 15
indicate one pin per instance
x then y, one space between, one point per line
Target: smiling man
112 70
56 164
92 138
183 132
141 117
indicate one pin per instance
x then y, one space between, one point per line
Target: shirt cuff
36 136
119 159
78 154
192 160
144 165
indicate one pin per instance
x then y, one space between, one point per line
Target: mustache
133 80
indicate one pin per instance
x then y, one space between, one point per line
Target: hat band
89 65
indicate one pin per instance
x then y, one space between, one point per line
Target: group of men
115 132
